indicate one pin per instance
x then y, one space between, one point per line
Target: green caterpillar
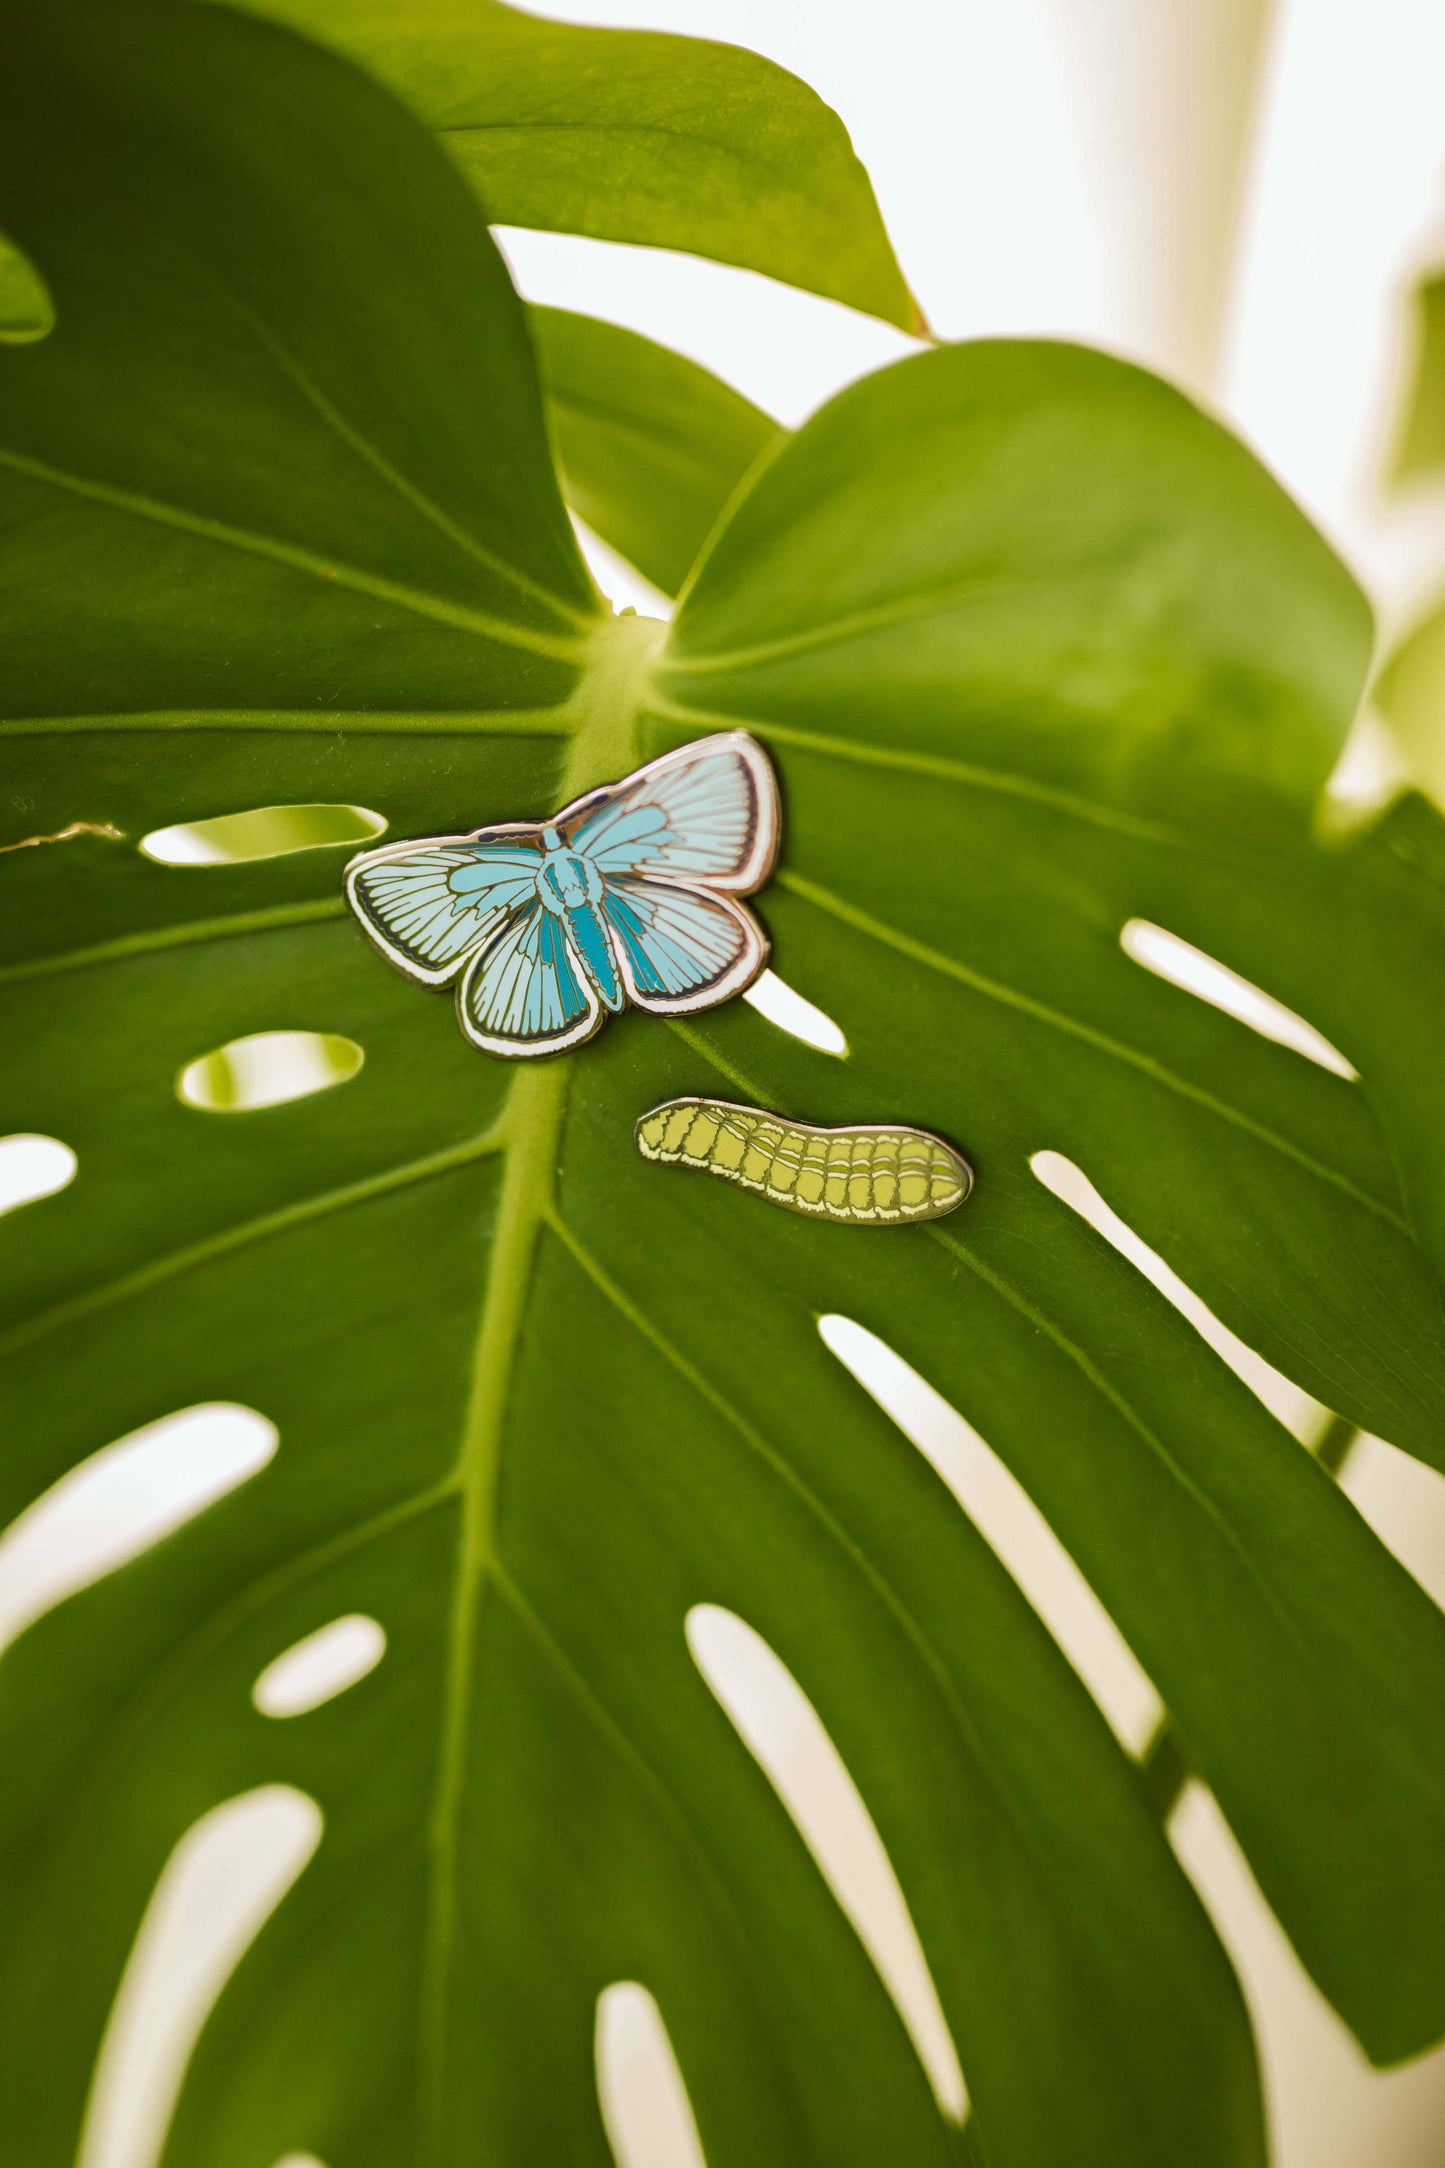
881 1174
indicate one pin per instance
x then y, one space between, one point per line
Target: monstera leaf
623 135
630 135
1035 649
25 311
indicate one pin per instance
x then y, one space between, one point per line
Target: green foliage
1410 690
649 446
1036 649
25 311
629 135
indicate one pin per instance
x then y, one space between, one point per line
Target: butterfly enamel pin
628 894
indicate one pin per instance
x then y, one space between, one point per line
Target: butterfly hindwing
429 905
681 948
705 815
527 992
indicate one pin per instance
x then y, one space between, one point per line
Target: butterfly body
571 887
630 894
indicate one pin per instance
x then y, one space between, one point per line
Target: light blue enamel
630 893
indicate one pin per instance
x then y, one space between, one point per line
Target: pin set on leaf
633 894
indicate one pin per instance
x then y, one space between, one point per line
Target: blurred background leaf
1421 439
649 445
630 135
25 311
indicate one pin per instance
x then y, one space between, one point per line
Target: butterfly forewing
429 905
706 815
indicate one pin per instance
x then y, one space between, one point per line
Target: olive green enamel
876 1175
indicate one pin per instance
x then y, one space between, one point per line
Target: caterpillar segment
882 1175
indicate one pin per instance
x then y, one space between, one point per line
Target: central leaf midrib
532 1127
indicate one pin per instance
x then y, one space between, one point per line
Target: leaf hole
1404 1502
121 1500
1290 1404
1187 967
268 831
268 1069
640 2091
27 312
220 1885
32 1167
782 1005
617 578
322 1666
786 1737
1009 1521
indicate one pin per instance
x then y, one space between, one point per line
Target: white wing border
388 854
758 866
735 980
513 1049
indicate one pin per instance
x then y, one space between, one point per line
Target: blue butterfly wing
706 815
527 992
427 906
681 948
675 843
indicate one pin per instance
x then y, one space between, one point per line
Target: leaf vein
857 1557
181 935
939 768
294 555
356 441
127 1285
1041 1012
1124 1408
632 1758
